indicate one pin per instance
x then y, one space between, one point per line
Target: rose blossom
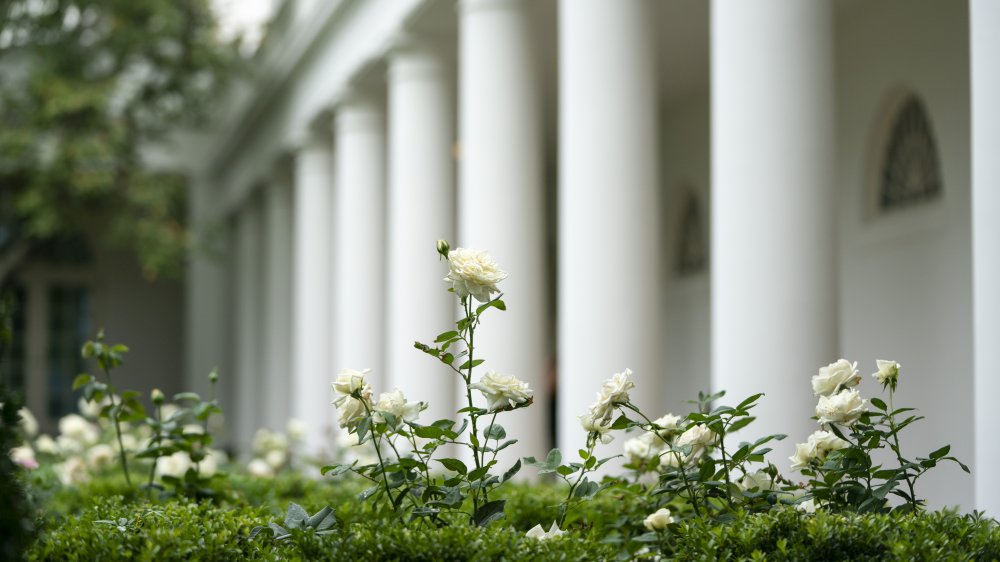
834 375
29 425
668 423
502 392
395 403
816 447
643 448
614 392
843 408
699 437
888 372
23 456
351 411
473 272
658 520
100 456
347 382
593 425
72 471
260 469
76 427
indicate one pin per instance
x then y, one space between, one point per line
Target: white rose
68 445
395 403
759 480
23 456
843 408
168 411
808 506
700 437
819 444
209 465
658 520
349 381
826 441
91 408
352 411
888 371
667 424
831 377
260 469
175 465
72 471
536 532
46 445
100 456
276 458
76 427
192 429
473 272
804 454
594 425
502 392
265 440
641 449
613 392
29 425
296 429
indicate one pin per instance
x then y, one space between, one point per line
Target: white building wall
905 277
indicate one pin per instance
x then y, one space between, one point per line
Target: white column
206 315
774 308
421 176
277 345
501 202
247 375
359 239
311 375
611 264
984 20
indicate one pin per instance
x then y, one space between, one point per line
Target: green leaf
741 423
295 516
471 364
623 422
446 336
878 404
495 303
454 465
187 396
478 473
495 431
427 431
489 512
553 459
511 471
749 401
81 380
940 452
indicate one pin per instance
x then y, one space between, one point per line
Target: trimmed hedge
93 523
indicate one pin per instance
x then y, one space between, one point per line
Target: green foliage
85 85
183 529
784 534
14 518
178 530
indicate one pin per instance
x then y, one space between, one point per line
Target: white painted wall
905 278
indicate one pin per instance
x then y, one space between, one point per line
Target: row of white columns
387 192
390 186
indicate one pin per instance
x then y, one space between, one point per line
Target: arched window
910 170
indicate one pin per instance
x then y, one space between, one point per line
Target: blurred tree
85 87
